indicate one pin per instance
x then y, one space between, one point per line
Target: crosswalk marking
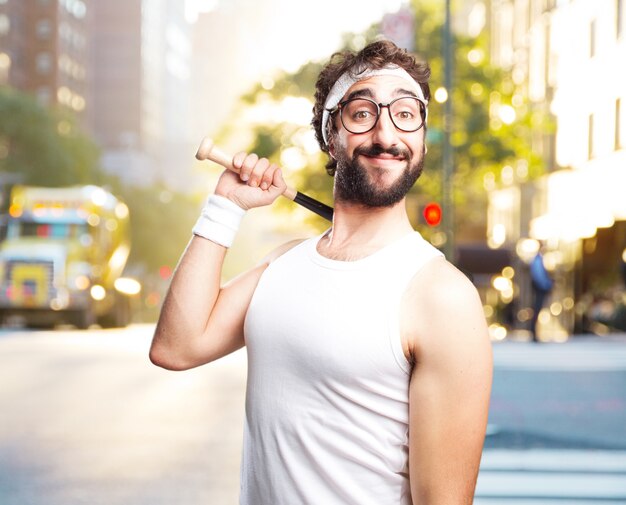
583 356
518 477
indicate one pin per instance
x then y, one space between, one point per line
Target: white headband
350 77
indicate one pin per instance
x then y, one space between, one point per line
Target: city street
118 125
557 424
87 419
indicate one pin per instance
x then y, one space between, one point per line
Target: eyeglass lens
360 115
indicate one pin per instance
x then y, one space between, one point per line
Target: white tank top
327 397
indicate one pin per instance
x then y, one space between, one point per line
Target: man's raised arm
201 321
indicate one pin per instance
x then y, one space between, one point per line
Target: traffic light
165 272
432 214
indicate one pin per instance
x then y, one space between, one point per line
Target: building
123 66
45 50
141 82
565 57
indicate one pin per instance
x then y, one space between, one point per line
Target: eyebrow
367 92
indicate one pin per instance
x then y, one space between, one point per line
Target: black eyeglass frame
340 107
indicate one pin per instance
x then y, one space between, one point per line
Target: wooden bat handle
208 151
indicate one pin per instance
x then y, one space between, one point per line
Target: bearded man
369 362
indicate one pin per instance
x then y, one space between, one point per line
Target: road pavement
557 424
86 419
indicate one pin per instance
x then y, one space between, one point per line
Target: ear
331 147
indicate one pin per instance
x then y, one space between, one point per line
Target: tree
493 125
161 222
44 146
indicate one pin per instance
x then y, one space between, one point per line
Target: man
542 285
369 362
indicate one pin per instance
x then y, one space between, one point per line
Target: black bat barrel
313 205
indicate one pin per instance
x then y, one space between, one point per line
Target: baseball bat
208 151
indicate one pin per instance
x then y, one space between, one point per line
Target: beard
353 184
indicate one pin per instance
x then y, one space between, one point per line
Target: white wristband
219 220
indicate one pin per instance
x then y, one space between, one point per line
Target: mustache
377 149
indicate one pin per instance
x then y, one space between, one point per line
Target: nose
384 132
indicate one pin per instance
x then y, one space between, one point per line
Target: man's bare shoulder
280 250
442 309
254 274
439 282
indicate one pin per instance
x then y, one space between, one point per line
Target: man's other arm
450 385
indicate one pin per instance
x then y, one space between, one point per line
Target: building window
44 95
618 124
43 63
547 73
5 67
592 39
77 8
590 138
5 24
549 5
44 29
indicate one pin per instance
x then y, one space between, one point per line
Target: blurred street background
102 107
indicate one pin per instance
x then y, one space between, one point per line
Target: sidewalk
523 336
550 476
579 352
557 424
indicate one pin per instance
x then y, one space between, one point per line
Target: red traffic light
165 272
432 214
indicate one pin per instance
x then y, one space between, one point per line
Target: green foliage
161 222
44 146
483 143
301 83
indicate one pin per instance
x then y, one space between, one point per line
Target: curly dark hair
376 55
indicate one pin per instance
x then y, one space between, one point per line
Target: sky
285 34
247 41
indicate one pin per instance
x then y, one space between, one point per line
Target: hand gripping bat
208 151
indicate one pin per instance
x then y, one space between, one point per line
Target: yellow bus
63 257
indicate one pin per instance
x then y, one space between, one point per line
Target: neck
361 230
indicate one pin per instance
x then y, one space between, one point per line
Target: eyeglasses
360 115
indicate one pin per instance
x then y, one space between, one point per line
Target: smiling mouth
385 156
384 159
380 155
